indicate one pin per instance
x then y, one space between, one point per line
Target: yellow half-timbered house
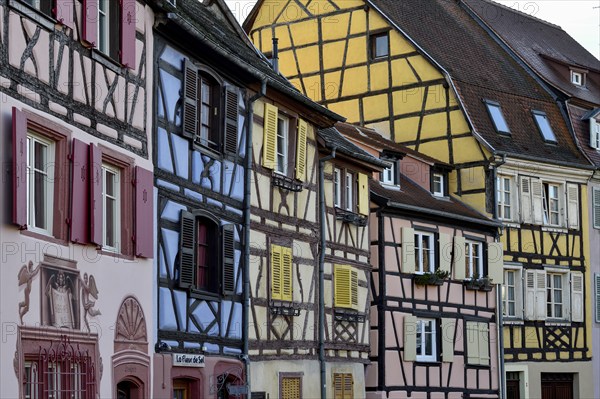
428 75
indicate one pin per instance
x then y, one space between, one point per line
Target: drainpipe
247 193
322 272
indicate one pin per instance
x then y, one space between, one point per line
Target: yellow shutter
301 150
270 136
343 386
286 274
341 286
276 261
363 194
354 288
290 388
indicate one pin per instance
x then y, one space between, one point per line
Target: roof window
497 117
543 125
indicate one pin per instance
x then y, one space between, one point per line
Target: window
594 133
290 385
424 252
551 204
596 207
474 259
351 191
108 28
426 340
543 125
281 273
61 11
337 187
511 293
40 163
577 78
343 386
206 254
390 175
422 338
478 343
345 287
111 207
282 144
497 117
181 389
45 6
554 295
438 184
208 123
379 45
504 187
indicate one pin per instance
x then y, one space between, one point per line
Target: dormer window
390 175
438 184
497 117
578 78
543 125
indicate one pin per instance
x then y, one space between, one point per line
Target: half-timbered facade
458 96
77 199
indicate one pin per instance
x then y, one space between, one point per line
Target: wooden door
557 386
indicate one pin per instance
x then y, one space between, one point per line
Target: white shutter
537 201
525 191
495 258
577 296
410 338
445 251
458 263
597 296
484 343
448 326
573 205
472 337
540 295
596 207
594 133
529 294
408 250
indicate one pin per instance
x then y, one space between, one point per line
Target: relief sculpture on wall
60 299
26 275
88 287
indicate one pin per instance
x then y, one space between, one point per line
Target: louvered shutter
338 386
348 386
231 120
64 12
597 296
276 261
301 150
90 21
128 20
95 195
410 338
530 295
341 286
445 251
458 259
448 326
573 206
19 153
594 133
228 269
187 243
525 191
577 297
354 288
540 295
270 136
408 250
80 194
190 99
363 194
144 208
286 274
473 337
596 207
537 201
495 259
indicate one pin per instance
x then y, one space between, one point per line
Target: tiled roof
543 46
334 139
481 69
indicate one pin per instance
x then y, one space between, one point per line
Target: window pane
498 118
40 195
110 225
544 127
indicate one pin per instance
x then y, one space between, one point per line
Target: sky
579 18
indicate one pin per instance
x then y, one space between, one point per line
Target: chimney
275 59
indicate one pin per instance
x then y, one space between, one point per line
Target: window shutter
276 261
573 206
530 295
190 99
80 195
473 338
90 21
448 326
363 194
144 208
270 136
537 201
231 120
597 286
594 133
410 338
596 207
228 269
445 251
301 150
64 12
95 194
525 190
286 274
458 259
187 243
338 386
341 286
348 386
19 153
408 250
128 20
577 296
484 341
540 295
495 259
354 288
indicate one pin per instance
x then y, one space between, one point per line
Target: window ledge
44 237
199 294
555 229
103 59
427 362
390 186
33 14
479 285
511 224
117 255
557 323
512 322
349 315
285 182
350 217
284 308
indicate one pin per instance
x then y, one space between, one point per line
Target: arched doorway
129 389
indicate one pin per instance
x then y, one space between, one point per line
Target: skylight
544 125
497 117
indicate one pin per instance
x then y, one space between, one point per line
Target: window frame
432 252
119 202
580 81
345 189
282 163
443 184
563 277
537 115
373 47
48 203
547 201
470 272
391 176
518 293
501 193
493 116
337 187
420 340
594 133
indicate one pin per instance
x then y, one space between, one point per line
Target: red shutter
95 194
144 208
80 195
128 20
64 12
19 153
90 21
